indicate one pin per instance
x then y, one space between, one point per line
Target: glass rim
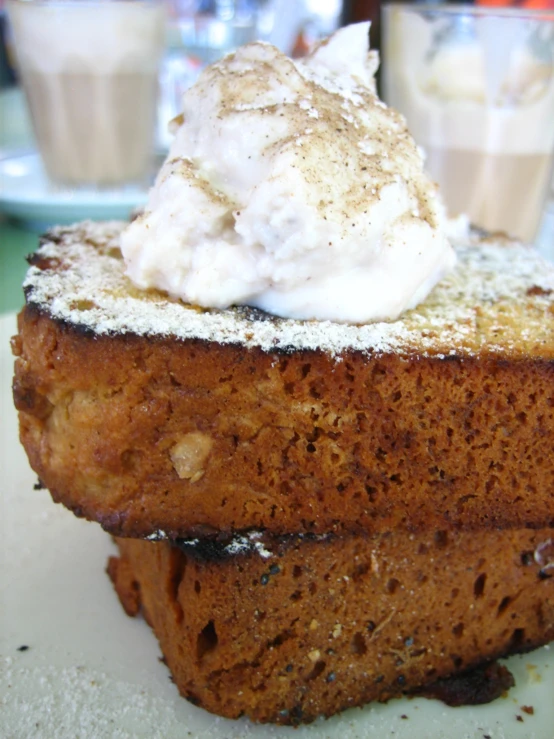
456 9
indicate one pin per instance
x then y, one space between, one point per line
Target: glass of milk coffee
89 69
476 85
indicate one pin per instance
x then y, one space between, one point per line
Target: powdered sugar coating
499 298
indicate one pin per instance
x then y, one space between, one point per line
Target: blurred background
33 195
198 33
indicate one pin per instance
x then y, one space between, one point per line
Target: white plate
91 672
27 194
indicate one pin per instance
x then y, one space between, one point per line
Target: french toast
161 420
351 512
285 629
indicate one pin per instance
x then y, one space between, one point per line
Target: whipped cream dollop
291 187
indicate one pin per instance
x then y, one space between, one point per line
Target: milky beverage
89 70
505 192
486 127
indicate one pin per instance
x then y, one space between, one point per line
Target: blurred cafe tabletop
16 242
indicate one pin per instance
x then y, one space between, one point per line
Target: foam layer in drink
53 35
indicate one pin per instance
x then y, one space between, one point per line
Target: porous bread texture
194 437
156 419
325 624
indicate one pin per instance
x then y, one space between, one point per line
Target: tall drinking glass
476 85
90 73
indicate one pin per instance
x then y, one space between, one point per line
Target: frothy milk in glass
477 88
90 73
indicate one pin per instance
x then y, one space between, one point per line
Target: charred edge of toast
225 548
481 684
206 544
36 309
221 549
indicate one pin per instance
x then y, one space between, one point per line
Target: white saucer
27 194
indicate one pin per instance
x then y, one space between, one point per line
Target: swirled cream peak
291 187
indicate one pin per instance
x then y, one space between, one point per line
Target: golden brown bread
190 437
302 627
157 419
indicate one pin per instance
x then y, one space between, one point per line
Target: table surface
15 244
15 240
